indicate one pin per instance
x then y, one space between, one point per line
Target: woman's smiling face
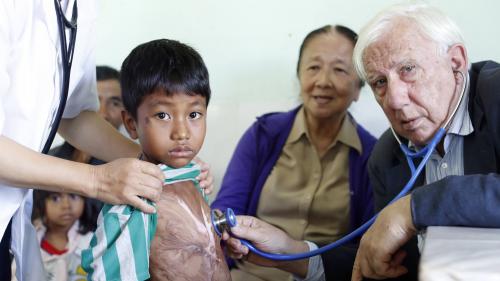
327 77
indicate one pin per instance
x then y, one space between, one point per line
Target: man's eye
163 116
195 115
378 83
407 68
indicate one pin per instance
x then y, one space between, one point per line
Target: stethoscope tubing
360 230
67 52
424 153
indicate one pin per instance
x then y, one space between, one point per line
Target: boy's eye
194 115
163 116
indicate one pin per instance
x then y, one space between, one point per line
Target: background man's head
110 96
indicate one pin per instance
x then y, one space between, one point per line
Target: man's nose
396 96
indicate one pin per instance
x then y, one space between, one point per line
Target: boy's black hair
88 220
104 72
343 30
162 64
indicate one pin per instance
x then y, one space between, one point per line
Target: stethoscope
223 221
67 52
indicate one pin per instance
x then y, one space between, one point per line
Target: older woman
304 171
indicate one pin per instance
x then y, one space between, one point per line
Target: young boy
165 92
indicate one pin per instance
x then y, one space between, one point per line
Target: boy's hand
124 181
205 178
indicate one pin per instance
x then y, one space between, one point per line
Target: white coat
30 79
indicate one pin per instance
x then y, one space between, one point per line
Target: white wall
251 47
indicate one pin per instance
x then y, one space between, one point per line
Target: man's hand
124 181
266 238
205 178
379 255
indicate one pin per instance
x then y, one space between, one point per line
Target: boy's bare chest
185 246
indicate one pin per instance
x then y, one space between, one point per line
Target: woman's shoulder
275 122
279 116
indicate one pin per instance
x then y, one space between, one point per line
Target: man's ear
458 56
129 123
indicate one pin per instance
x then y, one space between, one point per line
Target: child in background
165 90
64 224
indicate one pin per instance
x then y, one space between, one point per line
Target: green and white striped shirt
120 246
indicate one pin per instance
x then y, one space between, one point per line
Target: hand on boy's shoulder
125 181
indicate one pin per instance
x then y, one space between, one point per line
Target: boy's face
171 129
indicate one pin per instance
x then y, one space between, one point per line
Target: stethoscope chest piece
223 221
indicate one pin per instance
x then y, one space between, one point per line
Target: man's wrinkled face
413 80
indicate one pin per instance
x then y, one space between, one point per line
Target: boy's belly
185 246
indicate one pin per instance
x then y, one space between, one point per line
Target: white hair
430 21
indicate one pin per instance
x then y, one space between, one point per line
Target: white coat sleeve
82 88
4 55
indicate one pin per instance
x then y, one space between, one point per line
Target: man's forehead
383 55
396 47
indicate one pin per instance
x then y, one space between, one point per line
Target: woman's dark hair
104 72
343 30
162 64
88 219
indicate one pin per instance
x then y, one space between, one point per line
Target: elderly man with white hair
415 61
